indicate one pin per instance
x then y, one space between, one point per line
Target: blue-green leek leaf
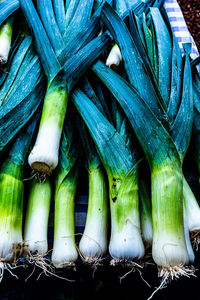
47 16
78 63
182 126
81 17
59 10
7 8
70 8
134 65
154 139
47 55
164 53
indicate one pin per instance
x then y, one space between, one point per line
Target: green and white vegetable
12 195
64 247
125 242
93 244
6 39
61 77
37 216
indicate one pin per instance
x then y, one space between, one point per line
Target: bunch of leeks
142 114
142 102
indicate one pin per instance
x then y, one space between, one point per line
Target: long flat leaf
79 40
135 68
86 87
99 3
7 8
195 140
81 17
122 5
76 65
148 40
14 47
154 139
69 151
47 55
47 16
59 9
92 158
176 81
70 8
21 145
14 67
111 147
182 127
23 87
164 53
14 120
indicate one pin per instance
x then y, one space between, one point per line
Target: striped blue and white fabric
183 35
179 27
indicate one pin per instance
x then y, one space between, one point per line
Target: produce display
101 86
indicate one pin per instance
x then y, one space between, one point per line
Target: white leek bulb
114 58
37 215
94 242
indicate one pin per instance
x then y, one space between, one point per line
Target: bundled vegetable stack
128 118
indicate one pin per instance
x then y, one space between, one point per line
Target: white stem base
10 246
93 244
44 155
64 252
169 251
36 247
114 58
147 231
127 243
4 50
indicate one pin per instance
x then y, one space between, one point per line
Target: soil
191 12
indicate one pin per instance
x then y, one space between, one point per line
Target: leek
121 166
93 244
145 211
64 247
36 221
12 194
61 78
192 207
64 252
180 105
114 58
5 39
180 131
169 248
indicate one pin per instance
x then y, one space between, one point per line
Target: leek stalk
64 247
181 131
12 194
169 248
36 221
6 39
93 244
145 211
125 242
